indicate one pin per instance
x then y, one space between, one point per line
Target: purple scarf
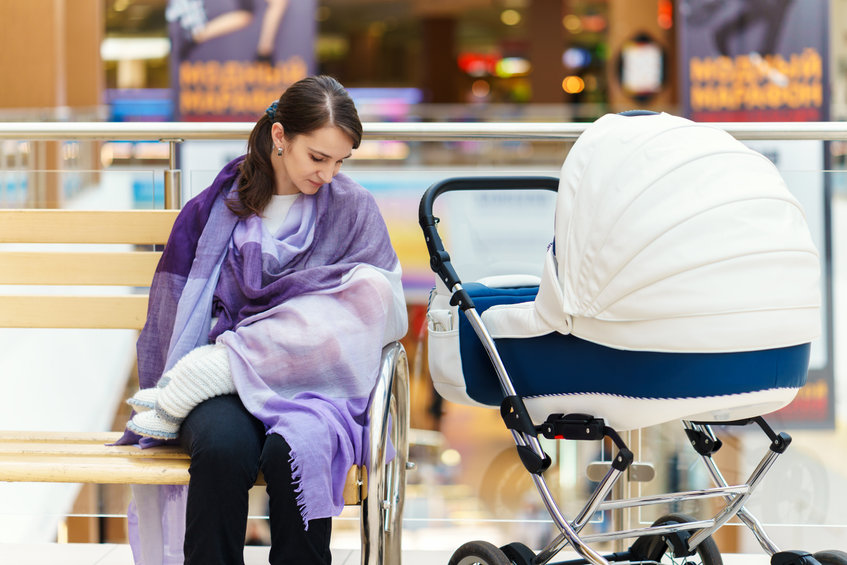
304 314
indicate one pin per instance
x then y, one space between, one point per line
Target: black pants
228 447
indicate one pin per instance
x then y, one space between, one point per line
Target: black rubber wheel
831 557
518 553
656 548
479 553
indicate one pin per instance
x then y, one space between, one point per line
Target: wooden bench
34 252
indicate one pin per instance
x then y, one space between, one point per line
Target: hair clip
271 111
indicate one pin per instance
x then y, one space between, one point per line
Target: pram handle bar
515 415
439 259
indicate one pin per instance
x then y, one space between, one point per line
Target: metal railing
403 131
174 133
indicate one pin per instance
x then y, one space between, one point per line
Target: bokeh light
573 84
572 23
510 17
512 66
480 88
451 457
576 57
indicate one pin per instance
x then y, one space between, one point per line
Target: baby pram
681 284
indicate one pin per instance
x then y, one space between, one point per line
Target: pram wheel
831 557
659 548
518 553
479 553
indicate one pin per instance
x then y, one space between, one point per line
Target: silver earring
279 151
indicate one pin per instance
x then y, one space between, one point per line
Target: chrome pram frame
679 538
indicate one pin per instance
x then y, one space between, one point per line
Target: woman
291 266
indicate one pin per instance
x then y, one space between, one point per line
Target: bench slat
131 268
80 449
84 457
59 437
90 226
109 312
105 470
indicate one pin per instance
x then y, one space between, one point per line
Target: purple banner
231 58
754 60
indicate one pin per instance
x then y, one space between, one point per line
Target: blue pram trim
564 364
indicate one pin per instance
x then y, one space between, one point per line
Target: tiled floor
106 554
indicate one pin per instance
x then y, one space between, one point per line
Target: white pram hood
672 236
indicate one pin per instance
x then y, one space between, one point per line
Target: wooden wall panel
31 61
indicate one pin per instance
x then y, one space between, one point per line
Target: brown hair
305 106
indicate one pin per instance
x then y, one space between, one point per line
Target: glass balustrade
468 482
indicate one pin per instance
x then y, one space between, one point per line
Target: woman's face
309 160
